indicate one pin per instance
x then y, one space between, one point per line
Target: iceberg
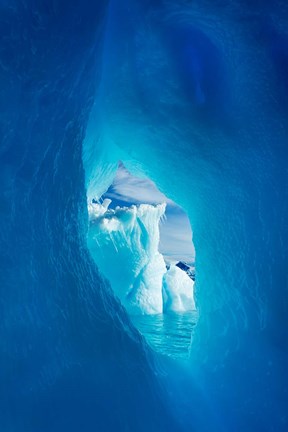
124 243
178 290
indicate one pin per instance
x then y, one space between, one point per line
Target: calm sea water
170 334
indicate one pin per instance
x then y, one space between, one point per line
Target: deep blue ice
194 94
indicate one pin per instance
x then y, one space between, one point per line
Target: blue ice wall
195 95
66 362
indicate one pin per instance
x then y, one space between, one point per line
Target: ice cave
192 95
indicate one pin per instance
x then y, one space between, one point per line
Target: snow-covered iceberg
177 290
124 243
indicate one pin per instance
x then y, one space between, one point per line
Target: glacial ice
177 289
124 243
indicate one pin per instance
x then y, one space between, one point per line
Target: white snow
178 290
124 243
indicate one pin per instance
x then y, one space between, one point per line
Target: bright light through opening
142 243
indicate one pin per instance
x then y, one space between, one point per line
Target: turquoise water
169 334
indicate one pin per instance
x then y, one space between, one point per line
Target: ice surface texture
69 358
124 243
178 293
195 95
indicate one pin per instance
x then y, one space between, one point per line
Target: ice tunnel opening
142 243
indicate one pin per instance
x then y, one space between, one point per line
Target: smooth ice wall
195 96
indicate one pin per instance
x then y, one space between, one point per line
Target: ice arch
60 330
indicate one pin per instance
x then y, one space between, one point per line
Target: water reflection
169 334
